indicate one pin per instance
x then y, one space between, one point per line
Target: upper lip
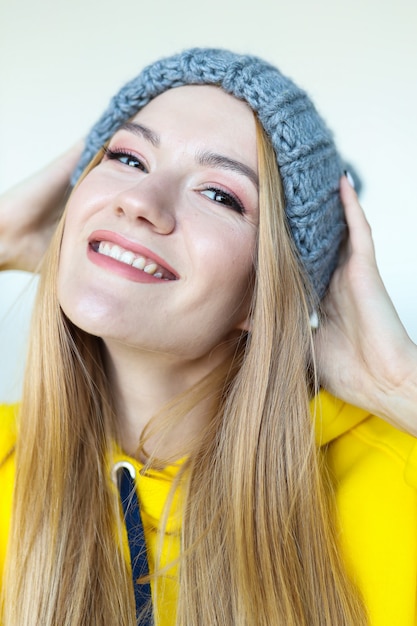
133 246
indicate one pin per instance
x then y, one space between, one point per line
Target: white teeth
104 248
127 257
139 263
115 253
151 268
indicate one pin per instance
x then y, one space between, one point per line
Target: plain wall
61 61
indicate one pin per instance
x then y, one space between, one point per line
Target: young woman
174 459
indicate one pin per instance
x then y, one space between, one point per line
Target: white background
60 62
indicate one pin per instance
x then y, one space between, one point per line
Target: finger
360 234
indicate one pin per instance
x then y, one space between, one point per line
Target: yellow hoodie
374 468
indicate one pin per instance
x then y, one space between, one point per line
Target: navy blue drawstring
126 483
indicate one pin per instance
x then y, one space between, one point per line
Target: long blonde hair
258 539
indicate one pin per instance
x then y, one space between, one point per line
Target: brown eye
222 197
126 158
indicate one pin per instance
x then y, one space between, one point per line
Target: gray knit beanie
309 164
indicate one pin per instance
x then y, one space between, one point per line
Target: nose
148 201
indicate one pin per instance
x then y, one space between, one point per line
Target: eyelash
231 200
118 155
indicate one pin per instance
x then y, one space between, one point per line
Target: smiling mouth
128 257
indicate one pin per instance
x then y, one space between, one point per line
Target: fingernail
350 178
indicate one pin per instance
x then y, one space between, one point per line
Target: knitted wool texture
309 164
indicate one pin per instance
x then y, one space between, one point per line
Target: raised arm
364 353
30 210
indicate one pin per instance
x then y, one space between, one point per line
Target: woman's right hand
30 211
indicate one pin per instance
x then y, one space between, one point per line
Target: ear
245 325
247 308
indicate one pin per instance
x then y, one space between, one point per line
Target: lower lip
122 269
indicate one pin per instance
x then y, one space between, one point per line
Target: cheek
82 199
228 247
72 256
94 192
85 201
226 260
237 259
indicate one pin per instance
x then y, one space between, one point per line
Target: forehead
206 112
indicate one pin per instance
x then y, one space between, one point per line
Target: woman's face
159 237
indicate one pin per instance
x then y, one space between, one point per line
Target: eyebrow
205 158
212 159
142 131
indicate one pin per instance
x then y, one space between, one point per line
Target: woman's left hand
364 354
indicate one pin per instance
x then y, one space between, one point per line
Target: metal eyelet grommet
119 465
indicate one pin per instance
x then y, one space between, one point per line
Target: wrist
396 400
